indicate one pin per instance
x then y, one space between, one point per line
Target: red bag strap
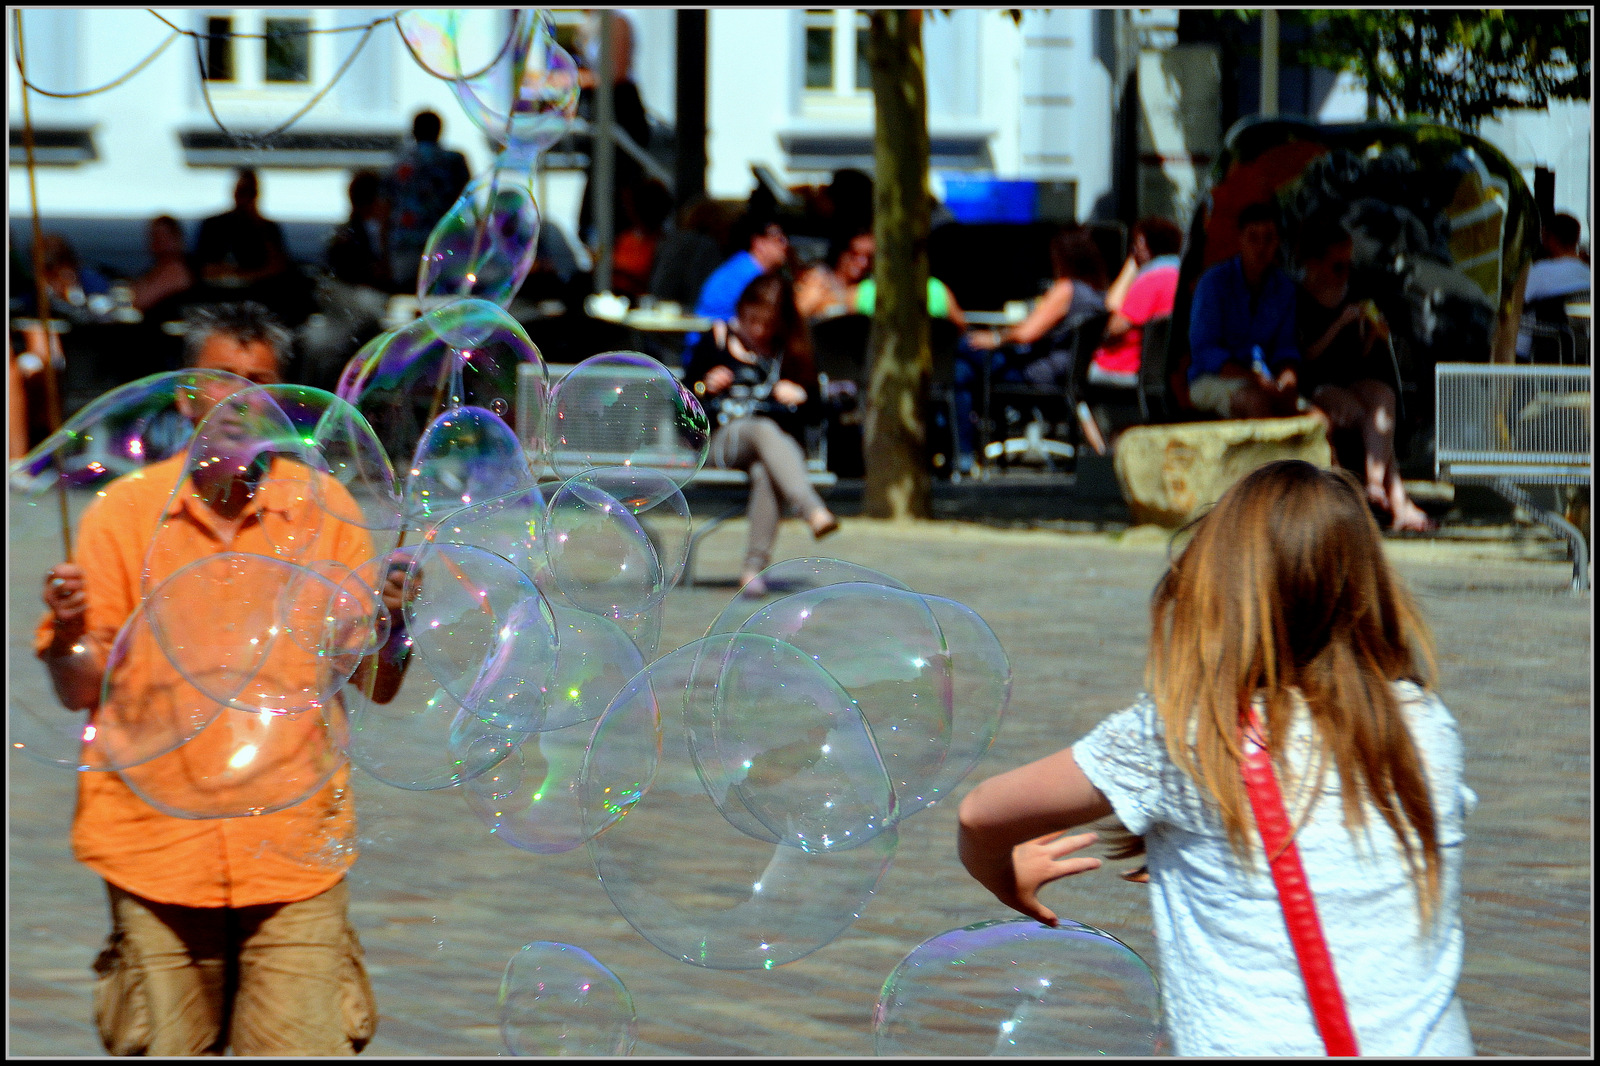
1294 891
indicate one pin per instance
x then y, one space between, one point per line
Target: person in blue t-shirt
1243 356
766 249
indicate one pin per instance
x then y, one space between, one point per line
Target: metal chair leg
1555 523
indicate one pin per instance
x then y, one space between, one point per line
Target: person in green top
941 301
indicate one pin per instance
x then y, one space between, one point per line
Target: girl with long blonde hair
1281 602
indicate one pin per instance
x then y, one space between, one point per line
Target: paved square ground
441 905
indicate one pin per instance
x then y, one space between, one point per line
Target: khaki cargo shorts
275 979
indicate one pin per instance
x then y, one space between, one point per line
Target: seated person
1150 290
827 289
1243 356
68 282
169 276
1342 371
645 207
356 253
758 383
1552 281
687 255
1074 295
941 301
766 249
244 255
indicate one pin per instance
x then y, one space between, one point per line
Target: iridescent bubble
467 454
245 763
350 451
484 246
594 661
463 352
509 525
799 575
530 800
483 630
980 680
598 554
885 647
1019 988
657 502
499 407
556 999
220 646
421 738
123 430
781 740
546 99
452 43
763 903
625 409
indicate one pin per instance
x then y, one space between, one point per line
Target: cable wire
145 62
268 36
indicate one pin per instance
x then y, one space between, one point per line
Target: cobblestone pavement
441 906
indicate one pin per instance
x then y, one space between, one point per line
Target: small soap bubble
625 409
1024 989
598 553
485 244
530 800
499 406
467 454
556 999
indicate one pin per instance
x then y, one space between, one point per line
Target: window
836 42
287 50
219 49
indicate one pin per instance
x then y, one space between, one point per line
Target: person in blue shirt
1243 357
767 248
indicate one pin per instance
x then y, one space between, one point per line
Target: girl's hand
1039 861
718 378
788 393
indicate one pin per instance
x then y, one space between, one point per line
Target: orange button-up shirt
281 857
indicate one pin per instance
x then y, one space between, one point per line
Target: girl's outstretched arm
1011 825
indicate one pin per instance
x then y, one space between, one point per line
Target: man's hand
64 595
1041 860
394 589
718 378
1287 380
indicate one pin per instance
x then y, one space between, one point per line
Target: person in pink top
1144 290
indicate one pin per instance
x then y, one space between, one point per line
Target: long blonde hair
1283 588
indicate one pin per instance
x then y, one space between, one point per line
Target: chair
840 346
944 339
1037 419
1551 332
1155 394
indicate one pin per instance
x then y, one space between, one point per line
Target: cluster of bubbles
531 565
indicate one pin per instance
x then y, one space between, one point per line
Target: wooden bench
728 482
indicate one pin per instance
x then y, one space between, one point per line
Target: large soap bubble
484 246
466 454
511 526
530 800
625 409
245 763
546 99
980 686
764 903
1019 988
463 352
790 576
120 431
656 501
349 451
781 740
556 999
452 43
598 554
885 647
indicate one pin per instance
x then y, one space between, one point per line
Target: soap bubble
547 92
980 677
463 352
781 740
1019 988
884 646
484 246
657 502
594 661
799 575
452 43
422 739
349 450
530 800
508 525
764 904
466 454
598 554
48 733
123 430
484 631
245 763
556 999
625 409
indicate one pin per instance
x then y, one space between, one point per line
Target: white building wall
1560 139
750 82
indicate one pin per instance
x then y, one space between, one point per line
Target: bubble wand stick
42 292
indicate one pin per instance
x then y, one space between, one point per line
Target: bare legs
1370 406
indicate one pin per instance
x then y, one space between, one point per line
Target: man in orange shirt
227 932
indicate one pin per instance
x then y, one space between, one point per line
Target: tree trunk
895 430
